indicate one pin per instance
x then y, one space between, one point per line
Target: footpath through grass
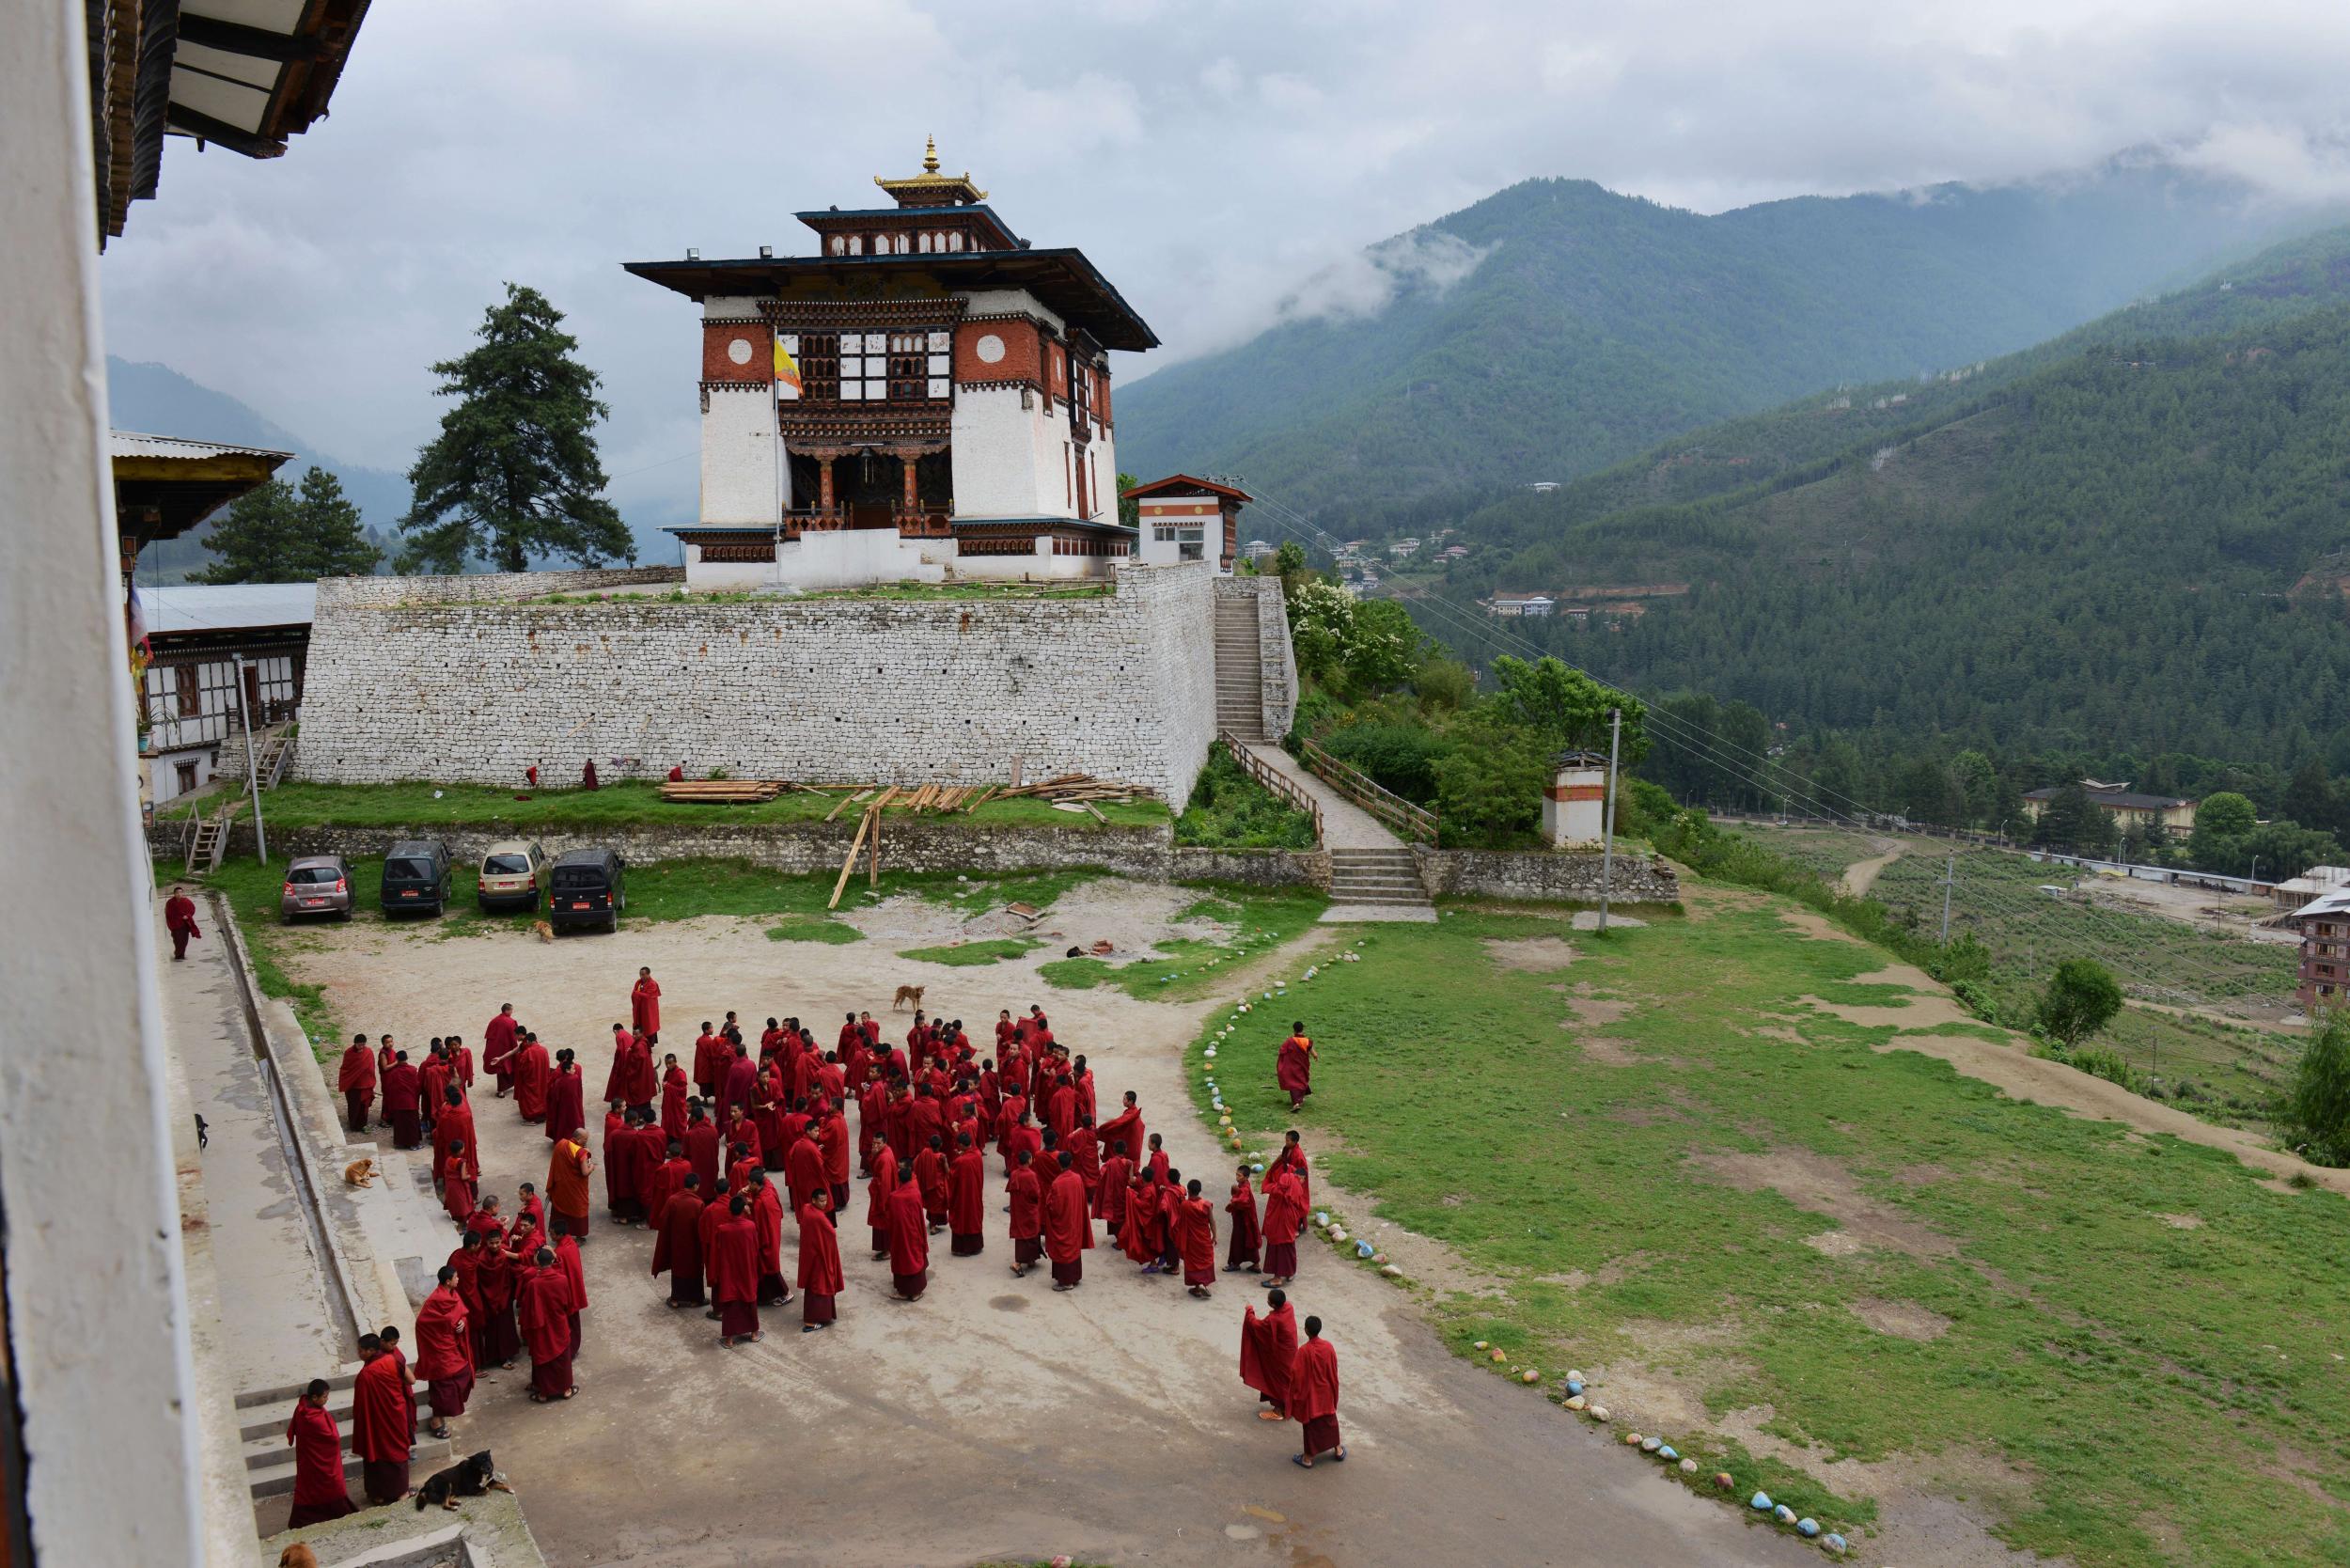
627 805
1692 1179
1258 921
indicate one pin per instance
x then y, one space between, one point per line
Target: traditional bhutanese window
954 240
864 367
922 242
818 354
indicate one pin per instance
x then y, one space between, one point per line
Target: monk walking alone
179 919
1294 1068
1314 1397
644 1003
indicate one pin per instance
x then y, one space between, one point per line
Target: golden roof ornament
930 188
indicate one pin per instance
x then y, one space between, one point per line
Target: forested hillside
1555 327
2139 546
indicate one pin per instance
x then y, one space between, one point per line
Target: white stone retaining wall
485 587
1550 876
451 684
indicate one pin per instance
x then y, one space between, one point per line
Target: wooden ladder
211 842
277 752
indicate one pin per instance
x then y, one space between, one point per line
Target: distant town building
2324 926
1258 549
1517 605
1403 547
1543 487
1175 515
2312 883
1454 552
2126 807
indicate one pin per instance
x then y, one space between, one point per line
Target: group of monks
689 1153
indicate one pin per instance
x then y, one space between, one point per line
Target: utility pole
252 770
1608 836
1949 878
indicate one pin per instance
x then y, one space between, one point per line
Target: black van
416 874
585 889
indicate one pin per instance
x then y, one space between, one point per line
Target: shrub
1489 790
2103 1062
1228 809
2317 1107
2081 998
1399 756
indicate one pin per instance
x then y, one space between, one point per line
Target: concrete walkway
272 1317
1344 824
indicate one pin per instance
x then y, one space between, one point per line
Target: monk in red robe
452 1126
464 1265
1028 1216
1245 1253
355 1077
1068 1227
1284 1217
832 1140
383 1425
444 1351
1293 1069
879 1190
673 1098
1195 1227
733 1260
500 1039
533 1073
1268 1348
456 1186
966 1200
575 1276
930 1174
909 1241
820 1275
644 1003
1124 1128
803 1170
767 1215
702 1144
1109 1194
1293 1159
401 1096
319 1494
1313 1397
1139 1238
501 1336
620 1170
710 1061
179 919
567 1100
546 1318
678 1253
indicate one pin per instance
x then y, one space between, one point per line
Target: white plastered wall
740 450
97 1299
995 454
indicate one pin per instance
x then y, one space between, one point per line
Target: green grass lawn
2151 1335
973 954
623 804
1258 921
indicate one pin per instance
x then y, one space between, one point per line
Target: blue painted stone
1762 1500
1575 1385
1837 1543
1667 1452
1807 1527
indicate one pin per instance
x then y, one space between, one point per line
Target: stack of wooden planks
723 792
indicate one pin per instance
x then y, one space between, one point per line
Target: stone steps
268 1463
1239 671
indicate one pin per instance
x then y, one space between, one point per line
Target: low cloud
1426 260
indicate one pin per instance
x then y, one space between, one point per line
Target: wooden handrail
1272 779
1391 810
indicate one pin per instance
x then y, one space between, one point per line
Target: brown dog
360 1173
299 1554
546 932
908 994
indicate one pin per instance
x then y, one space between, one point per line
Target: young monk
1313 1397
1197 1223
1243 1254
966 1201
909 1241
679 1252
1284 1217
319 1494
930 1174
820 1275
1293 1069
1268 1348
445 1358
767 1215
734 1274
456 1186
878 1191
1028 1218
1068 1227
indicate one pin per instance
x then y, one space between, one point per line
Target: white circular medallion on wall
990 349
739 351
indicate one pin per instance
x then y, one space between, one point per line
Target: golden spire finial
930 155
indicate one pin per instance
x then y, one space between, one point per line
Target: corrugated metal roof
132 444
193 608
2335 903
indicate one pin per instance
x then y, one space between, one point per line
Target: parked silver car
510 875
315 884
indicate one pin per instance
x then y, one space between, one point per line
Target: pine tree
514 473
273 535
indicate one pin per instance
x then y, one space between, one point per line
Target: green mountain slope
2138 543
1557 327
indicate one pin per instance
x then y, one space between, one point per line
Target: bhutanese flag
787 369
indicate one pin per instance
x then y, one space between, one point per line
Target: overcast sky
1207 155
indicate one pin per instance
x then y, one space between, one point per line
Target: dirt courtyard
994 1419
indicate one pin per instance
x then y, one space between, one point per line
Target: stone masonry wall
1549 876
1276 664
457 681
492 586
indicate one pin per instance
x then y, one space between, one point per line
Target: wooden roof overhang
1062 280
165 487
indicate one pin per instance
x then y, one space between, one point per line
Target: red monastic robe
644 1003
1068 1227
531 1072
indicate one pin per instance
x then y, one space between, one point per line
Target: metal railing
1398 815
1273 779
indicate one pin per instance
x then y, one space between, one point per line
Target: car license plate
314 903
408 892
580 905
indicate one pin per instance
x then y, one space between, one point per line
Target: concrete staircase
269 1465
1376 876
1239 671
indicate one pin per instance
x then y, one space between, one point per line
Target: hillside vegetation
1557 327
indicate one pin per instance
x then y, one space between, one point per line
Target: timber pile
723 792
1079 787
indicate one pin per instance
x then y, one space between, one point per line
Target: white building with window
198 697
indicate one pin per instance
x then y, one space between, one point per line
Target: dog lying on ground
467 1477
299 1554
360 1173
908 994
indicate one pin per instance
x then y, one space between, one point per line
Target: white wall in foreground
97 1327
